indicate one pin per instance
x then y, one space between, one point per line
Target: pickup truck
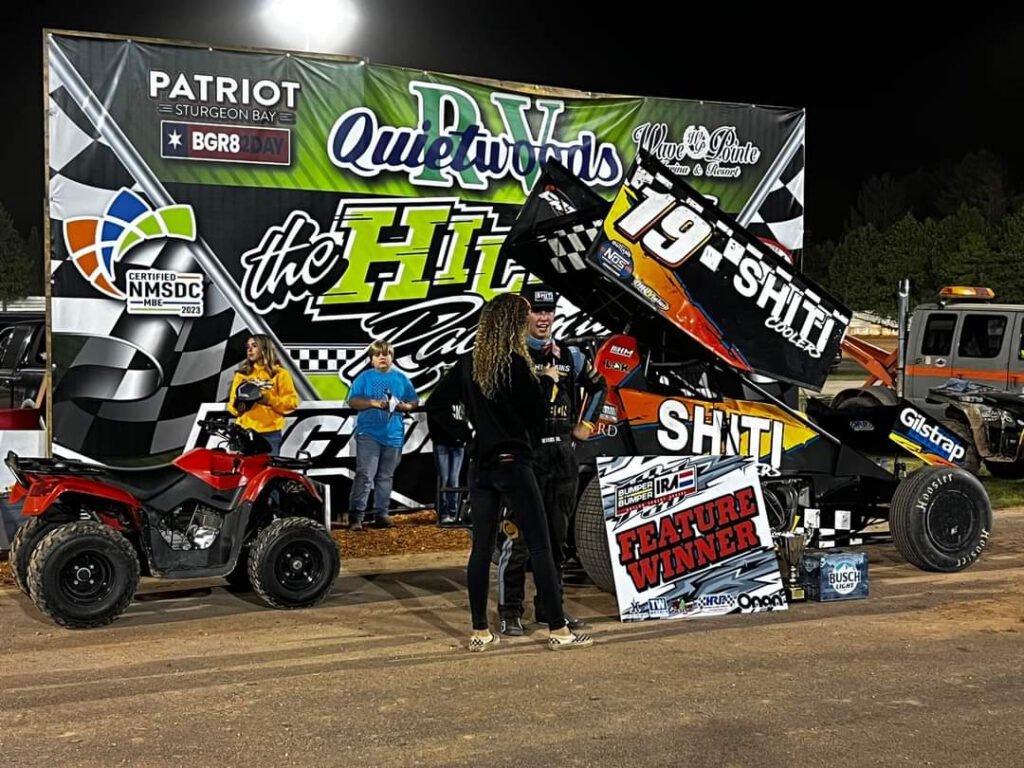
22 361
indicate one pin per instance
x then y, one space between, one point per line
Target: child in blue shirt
381 394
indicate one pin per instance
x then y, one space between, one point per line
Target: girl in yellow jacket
279 395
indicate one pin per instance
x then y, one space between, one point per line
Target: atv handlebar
241 440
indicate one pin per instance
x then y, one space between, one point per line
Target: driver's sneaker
513 627
570 621
572 640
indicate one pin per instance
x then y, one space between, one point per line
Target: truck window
982 336
6 338
938 334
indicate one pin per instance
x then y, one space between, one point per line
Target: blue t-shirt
381 425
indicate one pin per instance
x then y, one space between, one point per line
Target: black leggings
514 480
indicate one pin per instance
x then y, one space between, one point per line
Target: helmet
247 395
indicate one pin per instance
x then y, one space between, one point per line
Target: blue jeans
375 467
448 459
274 438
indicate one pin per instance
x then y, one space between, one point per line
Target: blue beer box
834 575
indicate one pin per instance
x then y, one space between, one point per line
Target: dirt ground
926 671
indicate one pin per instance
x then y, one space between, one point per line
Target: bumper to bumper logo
96 244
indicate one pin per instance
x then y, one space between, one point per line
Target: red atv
232 511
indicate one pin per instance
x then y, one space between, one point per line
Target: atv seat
146 482
289 463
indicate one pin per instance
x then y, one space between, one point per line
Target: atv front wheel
28 535
592 539
293 563
83 574
940 518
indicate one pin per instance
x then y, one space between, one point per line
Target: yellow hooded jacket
278 400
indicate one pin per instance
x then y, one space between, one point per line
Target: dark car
22 361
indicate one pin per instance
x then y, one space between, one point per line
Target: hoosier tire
293 563
83 574
941 519
28 535
591 538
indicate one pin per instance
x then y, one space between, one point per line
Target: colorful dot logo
97 244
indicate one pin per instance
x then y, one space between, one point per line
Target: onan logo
757 603
96 244
449 144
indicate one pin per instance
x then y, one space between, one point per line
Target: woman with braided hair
507 405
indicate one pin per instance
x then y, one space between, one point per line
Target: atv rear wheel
28 535
592 539
83 574
940 518
293 563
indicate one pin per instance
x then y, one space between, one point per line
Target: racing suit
554 463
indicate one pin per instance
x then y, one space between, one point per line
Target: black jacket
514 420
446 415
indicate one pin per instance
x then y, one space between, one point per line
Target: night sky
880 95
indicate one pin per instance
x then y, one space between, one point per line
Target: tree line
21 261
959 224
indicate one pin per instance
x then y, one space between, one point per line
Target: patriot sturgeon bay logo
96 244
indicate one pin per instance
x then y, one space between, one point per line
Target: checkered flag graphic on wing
569 245
131 384
781 216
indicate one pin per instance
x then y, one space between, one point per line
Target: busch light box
835 575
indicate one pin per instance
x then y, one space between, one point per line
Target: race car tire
940 519
591 538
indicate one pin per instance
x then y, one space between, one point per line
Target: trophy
790 546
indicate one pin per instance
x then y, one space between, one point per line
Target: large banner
199 195
688 537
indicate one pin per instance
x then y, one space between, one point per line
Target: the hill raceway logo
97 244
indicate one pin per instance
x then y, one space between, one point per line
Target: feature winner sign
688 537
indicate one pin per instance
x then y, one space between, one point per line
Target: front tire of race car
591 538
941 519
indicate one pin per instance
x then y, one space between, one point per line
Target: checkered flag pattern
781 216
324 359
131 384
569 245
833 528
